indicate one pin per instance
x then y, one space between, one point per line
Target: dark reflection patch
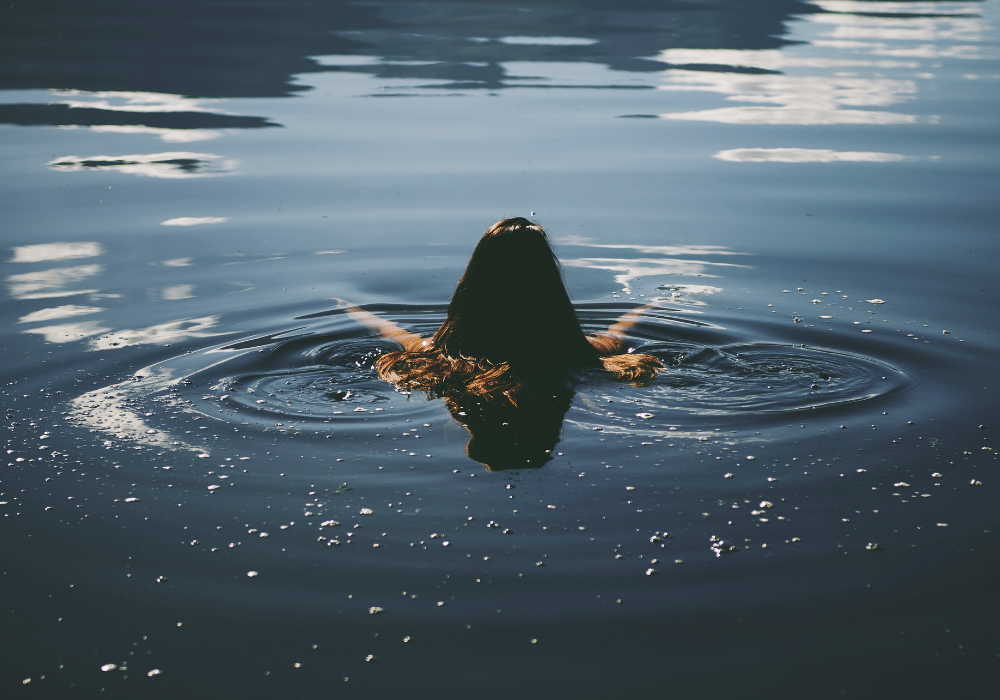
64 115
198 49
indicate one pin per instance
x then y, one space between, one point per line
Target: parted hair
510 324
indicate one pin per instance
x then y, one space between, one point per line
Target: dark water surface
208 493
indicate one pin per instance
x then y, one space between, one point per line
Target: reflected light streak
107 410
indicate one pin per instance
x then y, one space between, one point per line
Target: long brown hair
510 324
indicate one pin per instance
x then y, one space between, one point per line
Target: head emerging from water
511 326
511 304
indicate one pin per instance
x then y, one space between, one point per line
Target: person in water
502 359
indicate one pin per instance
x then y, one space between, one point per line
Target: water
805 192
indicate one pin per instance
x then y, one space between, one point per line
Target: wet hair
510 324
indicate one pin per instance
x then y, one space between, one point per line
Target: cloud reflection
653 249
194 220
178 291
59 312
40 252
68 332
916 28
172 165
628 269
769 59
45 284
159 334
166 135
122 101
872 6
547 40
970 52
807 100
804 155
862 34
